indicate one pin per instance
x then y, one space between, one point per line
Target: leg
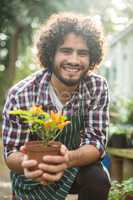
91 183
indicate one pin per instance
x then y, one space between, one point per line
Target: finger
52 168
43 182
29 163
33 174
65 152
54 159
52 177
63 149
23 149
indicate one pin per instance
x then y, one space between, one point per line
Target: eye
66 50
83 52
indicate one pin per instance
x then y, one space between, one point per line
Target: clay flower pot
118 141
37 149
129 197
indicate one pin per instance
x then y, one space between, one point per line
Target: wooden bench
121 163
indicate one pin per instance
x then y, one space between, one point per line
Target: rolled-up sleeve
14 135
96 117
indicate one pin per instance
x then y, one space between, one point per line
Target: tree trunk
13 54
10 71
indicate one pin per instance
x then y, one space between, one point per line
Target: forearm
84 155
14 161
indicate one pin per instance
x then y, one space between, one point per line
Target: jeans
91 183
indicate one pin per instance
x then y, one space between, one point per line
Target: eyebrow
70 49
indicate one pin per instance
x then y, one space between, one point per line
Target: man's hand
54 166
27 166
51 170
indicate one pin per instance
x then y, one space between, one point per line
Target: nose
74 58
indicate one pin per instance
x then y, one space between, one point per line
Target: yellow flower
42 123
47 124
63 124
37 109
56 117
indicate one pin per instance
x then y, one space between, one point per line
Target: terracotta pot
37 149
129 197
118 141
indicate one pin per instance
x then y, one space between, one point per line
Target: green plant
118 110
119 191
115 191
127 187
129 106
47 125
120 129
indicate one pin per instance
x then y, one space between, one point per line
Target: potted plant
121 128
121 191
118 138
115 191
128 189
47 126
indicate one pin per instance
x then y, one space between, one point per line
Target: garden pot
129 197
130 141
118 141
37 149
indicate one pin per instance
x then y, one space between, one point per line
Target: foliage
20 18
25 65
127 186
112 14
121 116
115 191
129 106
120 190
118 110
17 24
120 129
47 126
122 110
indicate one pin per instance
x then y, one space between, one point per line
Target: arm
14 161
96 120
54 166
14 136
83 156
94 138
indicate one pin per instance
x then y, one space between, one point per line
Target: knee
94 175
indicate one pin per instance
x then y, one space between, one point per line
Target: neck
63 91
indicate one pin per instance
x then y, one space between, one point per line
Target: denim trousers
91 183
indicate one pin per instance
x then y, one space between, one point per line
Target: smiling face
71 61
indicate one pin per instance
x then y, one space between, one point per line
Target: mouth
72 69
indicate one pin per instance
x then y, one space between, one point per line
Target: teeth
70 68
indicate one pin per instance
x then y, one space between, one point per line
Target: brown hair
51 35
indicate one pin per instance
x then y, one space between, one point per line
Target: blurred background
19 20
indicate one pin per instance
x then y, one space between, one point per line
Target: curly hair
52 34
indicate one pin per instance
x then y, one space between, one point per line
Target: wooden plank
127 168
123 153
116 169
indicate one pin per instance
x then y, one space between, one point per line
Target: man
70 47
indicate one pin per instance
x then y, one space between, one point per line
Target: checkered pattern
87 109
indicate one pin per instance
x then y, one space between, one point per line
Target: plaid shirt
89 102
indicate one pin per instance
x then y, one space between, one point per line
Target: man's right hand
27 165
